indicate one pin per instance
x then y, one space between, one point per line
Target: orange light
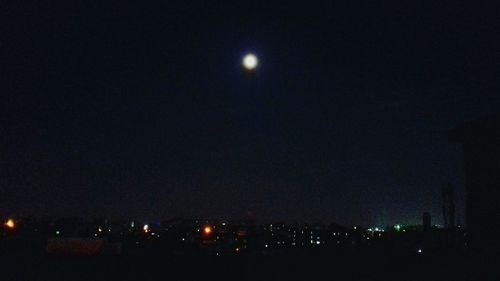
207 230
237 250
10 223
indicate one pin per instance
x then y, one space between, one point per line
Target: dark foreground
311 266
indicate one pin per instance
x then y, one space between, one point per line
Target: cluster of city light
300 237
376 229
280 235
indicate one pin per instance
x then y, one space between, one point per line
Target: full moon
250 61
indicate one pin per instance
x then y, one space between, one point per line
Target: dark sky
143 111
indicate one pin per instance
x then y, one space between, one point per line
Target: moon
250 61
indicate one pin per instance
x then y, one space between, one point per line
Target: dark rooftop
485 128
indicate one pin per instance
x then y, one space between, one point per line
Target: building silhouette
481 145
426 221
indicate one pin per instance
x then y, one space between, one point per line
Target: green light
397 227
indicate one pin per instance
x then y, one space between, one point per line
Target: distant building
481 145
81 246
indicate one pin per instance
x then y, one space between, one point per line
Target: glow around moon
250 62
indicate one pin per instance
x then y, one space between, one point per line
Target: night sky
144 111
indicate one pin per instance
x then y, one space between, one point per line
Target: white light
265 246
318 242
250 62
419 250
